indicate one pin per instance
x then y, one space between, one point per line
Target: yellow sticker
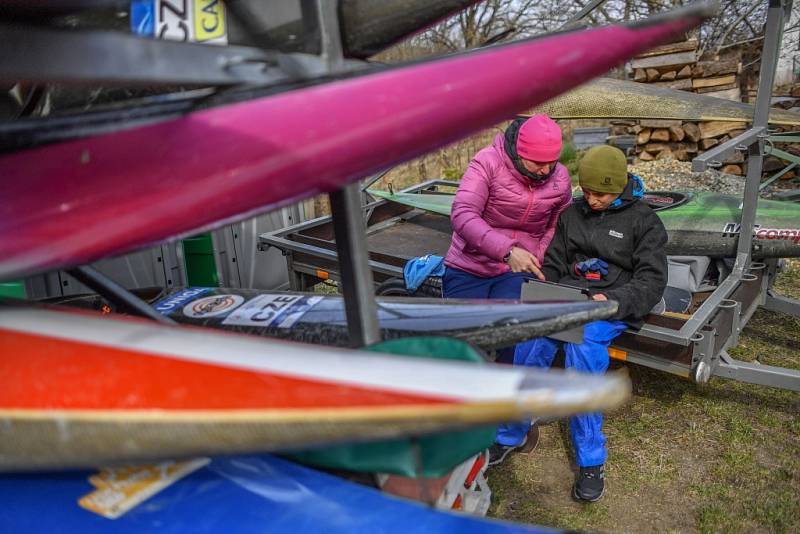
209 20
119 489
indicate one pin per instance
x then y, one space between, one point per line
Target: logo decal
173 302
607 180
212 306
732 229
614 233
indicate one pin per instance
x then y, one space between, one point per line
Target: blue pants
591 356
461 284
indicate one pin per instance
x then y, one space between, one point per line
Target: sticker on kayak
277 310
212 306
120 489
194 21
732 229
173 302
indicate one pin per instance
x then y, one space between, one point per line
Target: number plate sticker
272 310
201 21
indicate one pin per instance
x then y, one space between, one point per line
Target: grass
722 458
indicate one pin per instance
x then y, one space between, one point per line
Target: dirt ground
721 458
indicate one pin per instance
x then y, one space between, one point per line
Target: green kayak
698 223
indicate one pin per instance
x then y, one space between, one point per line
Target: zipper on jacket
527 211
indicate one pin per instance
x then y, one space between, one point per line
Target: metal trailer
695 347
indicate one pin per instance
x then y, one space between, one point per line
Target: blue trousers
461 284
591 356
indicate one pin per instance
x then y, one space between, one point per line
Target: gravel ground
678 176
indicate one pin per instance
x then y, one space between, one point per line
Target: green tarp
438 454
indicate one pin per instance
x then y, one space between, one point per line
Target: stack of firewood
681 140
677 66
668 65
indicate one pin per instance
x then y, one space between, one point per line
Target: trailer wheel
396 287
393 287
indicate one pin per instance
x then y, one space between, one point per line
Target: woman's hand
522 261
599 296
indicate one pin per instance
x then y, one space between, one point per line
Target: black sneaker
590 484
498 453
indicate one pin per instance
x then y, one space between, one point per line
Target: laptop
537 290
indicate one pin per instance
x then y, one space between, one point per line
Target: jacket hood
634 190
517 170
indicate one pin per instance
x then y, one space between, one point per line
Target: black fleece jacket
630 237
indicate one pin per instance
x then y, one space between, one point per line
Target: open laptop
536 290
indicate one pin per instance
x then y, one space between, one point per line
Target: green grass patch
722 458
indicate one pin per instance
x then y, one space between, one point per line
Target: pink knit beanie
539 139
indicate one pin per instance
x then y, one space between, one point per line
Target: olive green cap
603 169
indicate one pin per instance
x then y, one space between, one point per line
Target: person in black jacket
612 244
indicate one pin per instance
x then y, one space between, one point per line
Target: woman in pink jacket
505 212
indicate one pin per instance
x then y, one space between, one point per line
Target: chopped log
713 81
681 154
705 144
679 85
660 134
685 72
683 46
665 60
659 123
717 128
691 148
772 164
655 148
795 91
734 133
646 156
639 75
676 133
644 136
730 94
669 76
692 131
705 69
732 169
736 157
665 154
651 75
636 129
716 88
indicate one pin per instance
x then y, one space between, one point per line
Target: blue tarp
240 494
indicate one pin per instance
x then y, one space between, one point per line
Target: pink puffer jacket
497 208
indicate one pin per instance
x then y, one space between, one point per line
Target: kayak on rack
84 389
314 318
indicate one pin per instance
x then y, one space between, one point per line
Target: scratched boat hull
608 98
84 390
212 166
319 319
